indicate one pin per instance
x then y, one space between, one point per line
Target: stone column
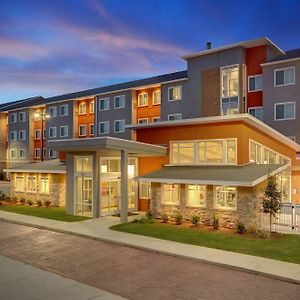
124 186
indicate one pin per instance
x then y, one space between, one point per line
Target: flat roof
247 118
47 166
246 175
264 41
110 143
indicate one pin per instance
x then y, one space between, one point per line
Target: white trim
186 197
103 99
35 131
54 131
120 96
54 110
90 129
82 126
254 76
37 149
82 104
172 115
283 69
142 119
280 61
104 122
22 132
24 114
156 92
67 130
155 118
284 103
66 109
255 108
115 126
226 208
142 94
90 104
35 171
173 87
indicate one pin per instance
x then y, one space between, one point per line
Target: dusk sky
54 47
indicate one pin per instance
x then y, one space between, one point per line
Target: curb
223 265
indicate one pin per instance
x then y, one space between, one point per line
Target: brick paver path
133 273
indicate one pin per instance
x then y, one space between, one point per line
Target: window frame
24 114
35 134
148 187
163 201
90 131
143 94
187 192
82 126
92 105
13 118
172 115
54 154
13 150
34 191
140 120
40 185
121 131
37 150
55 131
254 76
255 108
67 130
15 134
119 96
173 87
105 100
80 105
23 133
104 122
284 69
23 184
66 110
153 97
155 118
22 156
54 108
216 206
285 103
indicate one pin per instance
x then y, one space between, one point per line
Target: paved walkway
21 281
99 229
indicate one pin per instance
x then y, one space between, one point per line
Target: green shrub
143 220
47 203
215 221
178 217
240 228
39 203
29 202
2 195
264 234
150 214
2 177
14 199
22 201
164 216
7 198
195 220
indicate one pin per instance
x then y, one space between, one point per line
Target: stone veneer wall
248 206
57 189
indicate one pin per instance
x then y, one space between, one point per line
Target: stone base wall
247 211
57 190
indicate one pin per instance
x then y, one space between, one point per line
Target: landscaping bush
2 195
2 177
7 198
164 216
22 201
29 202
14 199
195 220
264 234
39 203
47 203
178 217
215 221
240 228
150 214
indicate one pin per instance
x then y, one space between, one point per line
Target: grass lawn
54 213
285 248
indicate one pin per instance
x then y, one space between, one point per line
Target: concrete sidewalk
99 229
21 281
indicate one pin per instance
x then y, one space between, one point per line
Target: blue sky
55 47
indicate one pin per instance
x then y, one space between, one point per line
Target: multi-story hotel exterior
149 142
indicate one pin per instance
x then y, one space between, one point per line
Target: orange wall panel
87 118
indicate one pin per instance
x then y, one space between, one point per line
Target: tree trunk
270 223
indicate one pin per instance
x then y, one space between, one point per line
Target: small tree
271 201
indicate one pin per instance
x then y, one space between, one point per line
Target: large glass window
225 197
156 98
210 152
284 76
44 185
196 195
82 108
145 190
183 153
143 99
20 184
83 164
171 194
285 111
31 184
283 182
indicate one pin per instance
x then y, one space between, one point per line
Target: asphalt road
132 273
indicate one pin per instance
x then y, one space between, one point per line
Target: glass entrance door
84 195
110 196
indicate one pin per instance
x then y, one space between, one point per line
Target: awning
53 166
246 175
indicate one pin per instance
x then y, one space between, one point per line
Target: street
133 273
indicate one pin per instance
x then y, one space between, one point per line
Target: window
183 153
196 195
13 118
82 130
64 110
171 194
156 98
13 136
230 90
143 120
37 153
20 184
44 134
255 153
174 117
52 154
145 190
83 164
37 115
156 119
104 104
52 132
82 108
31 184
284 76
110 165
22 135
92 129
257 112
175 93
119 126
22 153
44 152
52 111
44 185
37 134
104 127
143 99
255 83
92 107
13 153
120 101
284 111
22 116
211 152
64 131
225 197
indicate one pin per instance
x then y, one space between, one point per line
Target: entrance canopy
109 143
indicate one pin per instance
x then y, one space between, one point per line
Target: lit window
171 194
284 111
225 197
256 112
110 166
183 153
104 127
284 77
255 83
210 152
145 190
83 164
119 126
20 184
92 107
31 184
104 104
82 130
196 196
120 101
175 93
156 97
44 185
82 108
64 110
143 99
